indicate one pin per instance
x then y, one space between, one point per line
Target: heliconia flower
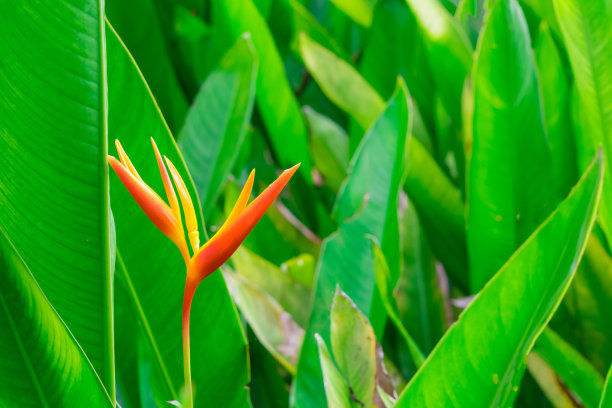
167 218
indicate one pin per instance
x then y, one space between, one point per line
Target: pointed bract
218 250
190 216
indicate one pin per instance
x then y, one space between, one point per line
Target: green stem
187 298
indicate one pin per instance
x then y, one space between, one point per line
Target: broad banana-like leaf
153 265
215 127
367 205
587 33
42 364
54 202
515 306
509 186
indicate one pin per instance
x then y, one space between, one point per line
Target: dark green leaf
54 202
42 365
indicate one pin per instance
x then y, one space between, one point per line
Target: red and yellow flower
167 218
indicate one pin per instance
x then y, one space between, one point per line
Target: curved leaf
54 201
153 265
606 397
587 32
42 365
509 187
367 205
515 306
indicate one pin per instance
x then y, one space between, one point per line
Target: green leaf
268 387
587 33
587 301
42 364
336 389
606 397
354 347
383 278
274 327
514 306
509 187
215 127
328 148
292 294
54 202
576 372
437 200
395 38
419 298
555 100
546 378
367 205
153 265
448 49
441 210
143 37
341 83
359 10
277 105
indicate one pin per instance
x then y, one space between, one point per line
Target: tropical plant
441 237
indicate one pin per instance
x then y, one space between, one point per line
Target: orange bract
167 218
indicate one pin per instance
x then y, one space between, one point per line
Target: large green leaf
54 202
555 100
42 365
275 100
215 127
514 307
143 37
587 32
509 187
367 205
153 266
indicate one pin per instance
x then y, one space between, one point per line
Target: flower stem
187 298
